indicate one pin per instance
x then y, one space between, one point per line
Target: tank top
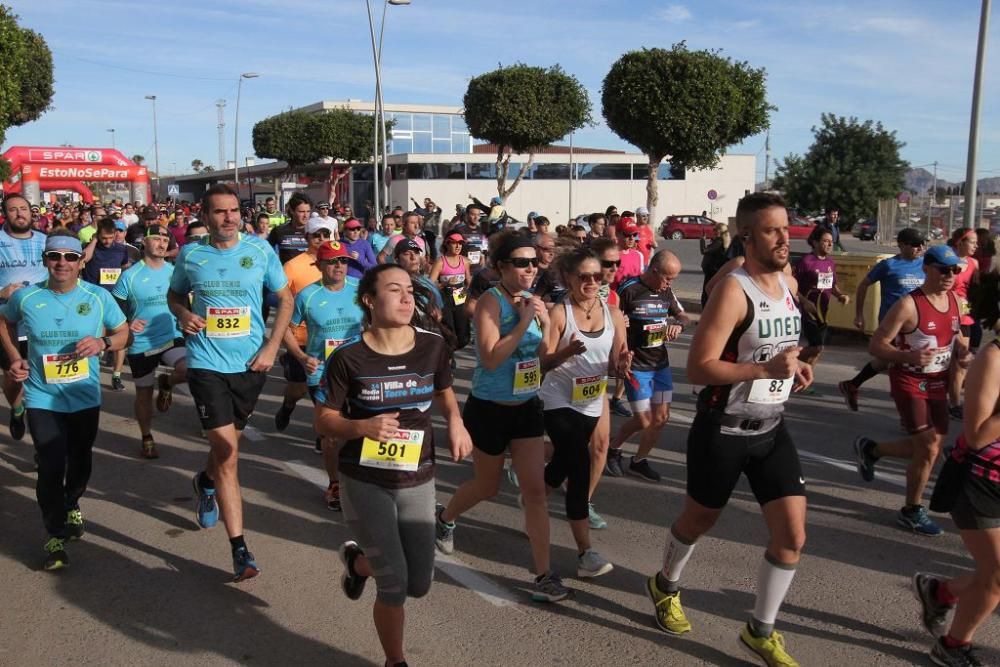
984 463
518 377
961 288
934 329
579 383
771 325
452 281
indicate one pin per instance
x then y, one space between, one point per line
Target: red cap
628 228
455 236
331 250
353 223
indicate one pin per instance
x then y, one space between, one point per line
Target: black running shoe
353 584
613 466
17 427
282 417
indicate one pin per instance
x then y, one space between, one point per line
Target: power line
139 71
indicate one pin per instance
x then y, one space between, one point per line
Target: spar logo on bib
246 262
83 309
789 302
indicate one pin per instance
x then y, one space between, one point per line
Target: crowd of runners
365 316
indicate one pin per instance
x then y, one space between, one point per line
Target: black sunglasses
55 256
335 260
954 270
522 262
608 263
325 233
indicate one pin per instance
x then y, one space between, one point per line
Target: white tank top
772 325
580 382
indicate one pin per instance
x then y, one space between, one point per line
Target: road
147 587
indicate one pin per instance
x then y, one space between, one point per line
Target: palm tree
197 164
138 159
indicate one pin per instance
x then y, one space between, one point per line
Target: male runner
411 232
745 351
228 357
105 260
290 238
922 339
141 292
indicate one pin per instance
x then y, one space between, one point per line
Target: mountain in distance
920 180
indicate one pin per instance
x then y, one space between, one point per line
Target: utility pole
977 103
220 106
767 157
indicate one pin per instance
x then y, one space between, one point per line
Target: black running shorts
225 398
492 425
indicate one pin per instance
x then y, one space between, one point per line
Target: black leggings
64 442
570 431
454 318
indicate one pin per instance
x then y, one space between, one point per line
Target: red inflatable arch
35 169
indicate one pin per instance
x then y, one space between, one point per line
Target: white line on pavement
450 565
895 480
253 434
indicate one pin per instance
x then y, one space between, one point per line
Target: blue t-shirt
106 265
227 286
54 324
21 259
144 290
332 318
898 277
378 241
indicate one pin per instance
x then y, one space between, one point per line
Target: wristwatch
107 342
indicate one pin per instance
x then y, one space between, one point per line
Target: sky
908 64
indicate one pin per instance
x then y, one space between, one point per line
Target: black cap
404 245
910 236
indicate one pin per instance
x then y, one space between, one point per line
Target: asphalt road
148 587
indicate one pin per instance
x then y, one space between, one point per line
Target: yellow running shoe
667 609
771 650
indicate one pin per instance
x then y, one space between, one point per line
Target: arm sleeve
878 272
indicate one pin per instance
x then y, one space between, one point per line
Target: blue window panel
442 126
442 146
422 122
460 143
401 146
458 124
403 121
422 142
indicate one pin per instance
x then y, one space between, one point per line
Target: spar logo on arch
65 155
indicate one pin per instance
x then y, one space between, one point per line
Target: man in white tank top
745 351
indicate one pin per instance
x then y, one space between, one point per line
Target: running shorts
493 425
225 398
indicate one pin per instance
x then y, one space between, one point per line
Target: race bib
941 361
770 392
65 368
401 452
588 389
824 281
475 256
527 377
458 296
228 322
331 345
654 334
110 276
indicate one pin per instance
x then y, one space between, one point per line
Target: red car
799 227
677 227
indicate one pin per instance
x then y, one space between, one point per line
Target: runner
328 311
67 323
963 241
816 274
141 292
21 264
452 274
476 243
921 338
359 250
647 303
228 357
584 339
975 508
897 276
409 256
291 239
411 232
503 409
746 351
105 259
387 459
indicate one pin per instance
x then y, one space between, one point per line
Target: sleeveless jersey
961 288
985 463
771 325
935 330
580 382
518 377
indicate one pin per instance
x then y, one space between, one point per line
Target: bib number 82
776 386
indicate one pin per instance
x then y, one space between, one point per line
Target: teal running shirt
144 291
332 318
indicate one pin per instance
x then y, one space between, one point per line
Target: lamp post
383 193
112 131
236 130
156 144
969 219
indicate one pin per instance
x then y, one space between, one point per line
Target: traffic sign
712 194
903 197
173 190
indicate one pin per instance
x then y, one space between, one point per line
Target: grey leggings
395 528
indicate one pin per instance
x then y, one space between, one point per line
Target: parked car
799 227
866 230
677 227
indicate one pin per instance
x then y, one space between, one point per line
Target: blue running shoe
208 509
244 566
918 521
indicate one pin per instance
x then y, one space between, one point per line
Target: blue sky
908 64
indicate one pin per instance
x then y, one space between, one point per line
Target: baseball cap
150 213
642 210
157 230
455 236
496 201
61 242
323 204
120 225
317 223
532 215
353 223
941 255
910 236
331 250
628 228
404 245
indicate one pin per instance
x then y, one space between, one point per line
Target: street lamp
236 130
112 131
379 107
156 144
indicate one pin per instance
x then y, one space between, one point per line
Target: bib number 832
227 323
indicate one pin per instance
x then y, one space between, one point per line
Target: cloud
674 14
892 25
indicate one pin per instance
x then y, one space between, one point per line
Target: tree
686 105
851 165
197 165
207 169
138 159
522 109
26 79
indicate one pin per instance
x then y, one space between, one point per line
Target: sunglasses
589 277
325 233
196 237
634 237
335 260
608 263
954 270
522 262
55 256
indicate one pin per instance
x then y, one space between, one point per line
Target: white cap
642 210
315 224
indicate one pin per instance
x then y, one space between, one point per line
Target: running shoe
149 448
282 417
57 557
595 520
116 383
318 447
919 522
445 533
208 509
164 393
17 426
549 588
667 609
512 476
643 469
962 656
592 564
771 650
866 462
244 566
613 466
74 524
933 614
351 583
332 497
956 412
850 393
620 408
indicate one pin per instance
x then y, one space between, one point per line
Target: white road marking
450 565
895 480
